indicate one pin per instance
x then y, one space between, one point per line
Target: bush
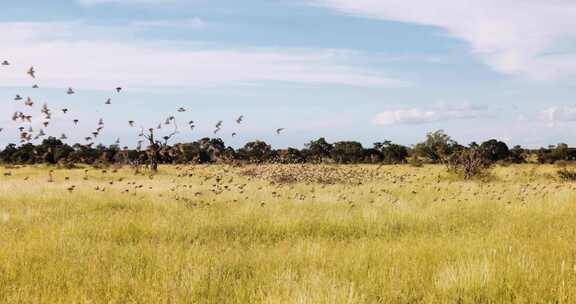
563 164
66 164
567 175
414 161
469 163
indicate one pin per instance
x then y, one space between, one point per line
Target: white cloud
558 114
438 113
79 55
531 38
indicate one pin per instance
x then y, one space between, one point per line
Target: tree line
438 147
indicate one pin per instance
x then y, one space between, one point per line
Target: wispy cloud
81 55
437 113
195 23
96 2
530 38
558 114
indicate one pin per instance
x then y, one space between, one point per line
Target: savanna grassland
287 234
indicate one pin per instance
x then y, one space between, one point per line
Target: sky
363 70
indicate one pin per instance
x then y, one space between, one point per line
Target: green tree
318 150
256 151
437 147
494 150
392 153
348 152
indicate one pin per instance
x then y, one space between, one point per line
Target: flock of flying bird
29 134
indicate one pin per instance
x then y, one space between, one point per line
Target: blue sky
363 70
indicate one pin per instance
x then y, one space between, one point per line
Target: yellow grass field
286 234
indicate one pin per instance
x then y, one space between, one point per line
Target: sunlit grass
215 235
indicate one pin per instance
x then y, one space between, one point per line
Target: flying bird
181 110
131 123
109 101
18 97
278 131
45 111
5 63
35 86
239 120
118 89
64 110
32 72
70 91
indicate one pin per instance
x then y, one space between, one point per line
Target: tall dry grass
219 235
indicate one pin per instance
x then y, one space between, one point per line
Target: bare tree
156 145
